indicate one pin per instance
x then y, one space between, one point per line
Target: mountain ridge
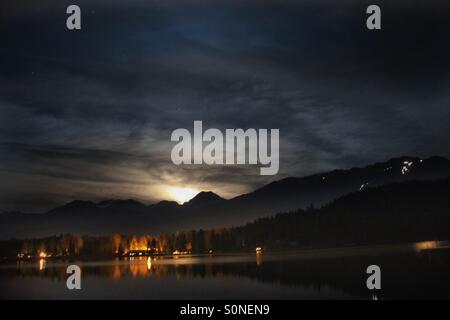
208 209
435 159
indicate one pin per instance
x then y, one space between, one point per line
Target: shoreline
317 253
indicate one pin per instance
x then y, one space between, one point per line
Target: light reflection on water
42 264
417 271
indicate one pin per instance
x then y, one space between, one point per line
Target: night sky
88 114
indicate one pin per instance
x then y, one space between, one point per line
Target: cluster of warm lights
426 245
137 247
178 252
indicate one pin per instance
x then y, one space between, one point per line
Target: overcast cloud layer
88 114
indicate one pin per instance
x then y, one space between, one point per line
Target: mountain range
208 210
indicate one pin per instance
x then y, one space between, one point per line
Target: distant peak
76 203
205 197
431 161
167 204
207 194
437 159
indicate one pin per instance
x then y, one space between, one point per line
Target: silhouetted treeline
396 213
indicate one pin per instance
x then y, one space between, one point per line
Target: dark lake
416 271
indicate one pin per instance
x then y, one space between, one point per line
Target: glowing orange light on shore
426 245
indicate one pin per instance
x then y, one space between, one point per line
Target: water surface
416 271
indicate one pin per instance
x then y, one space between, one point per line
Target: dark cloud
89 114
